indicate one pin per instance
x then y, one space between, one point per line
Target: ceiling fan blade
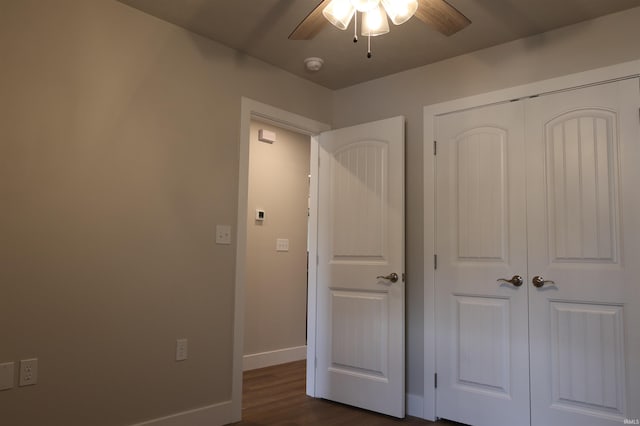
312 24
442 16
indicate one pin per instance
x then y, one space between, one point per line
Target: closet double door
538 274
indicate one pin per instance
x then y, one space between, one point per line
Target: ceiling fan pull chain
355 27
369 47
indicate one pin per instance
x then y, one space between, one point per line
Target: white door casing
583 157
482 336
251 109
360 318
582 150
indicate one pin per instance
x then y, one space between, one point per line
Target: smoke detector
314 64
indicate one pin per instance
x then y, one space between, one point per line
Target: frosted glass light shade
375 22
400 11
364 5
339 13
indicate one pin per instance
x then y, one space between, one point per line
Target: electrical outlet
181 349
223 234
28 372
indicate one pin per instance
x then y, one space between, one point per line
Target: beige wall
119 155
276 282
605 41
119 138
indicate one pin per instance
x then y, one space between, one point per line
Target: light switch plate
6 375
181 349
223 234
282 244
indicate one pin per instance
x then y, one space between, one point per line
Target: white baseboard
211 415
267 359
415 405
222 413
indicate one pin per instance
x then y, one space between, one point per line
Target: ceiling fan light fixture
375 22
375 13
365 5
400 11
339 13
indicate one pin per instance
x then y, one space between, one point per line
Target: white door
482 336
575 191
360 316
583 191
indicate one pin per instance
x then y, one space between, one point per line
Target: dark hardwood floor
276 396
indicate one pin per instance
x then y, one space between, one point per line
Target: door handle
538 281
393 277
515 281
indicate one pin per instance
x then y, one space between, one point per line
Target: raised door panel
360 334
359 202
582 186
481 194
483 342
587 357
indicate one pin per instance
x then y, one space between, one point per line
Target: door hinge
435 147
435 261
317 259
435 380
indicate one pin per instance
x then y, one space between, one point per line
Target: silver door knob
515 281
393 277
538 281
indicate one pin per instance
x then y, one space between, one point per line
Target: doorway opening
266 114
360 239
277 246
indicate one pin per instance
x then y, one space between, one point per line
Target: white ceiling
260 28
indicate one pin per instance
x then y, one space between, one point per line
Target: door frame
430 113
254 110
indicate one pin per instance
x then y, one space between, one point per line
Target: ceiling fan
436 13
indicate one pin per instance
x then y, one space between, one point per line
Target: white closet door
482 335
583 192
